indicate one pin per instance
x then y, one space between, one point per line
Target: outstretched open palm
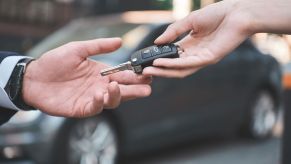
64 82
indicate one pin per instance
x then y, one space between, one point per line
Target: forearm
271 16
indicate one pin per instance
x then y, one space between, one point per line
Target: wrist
14 87
27 84
272 16
239 11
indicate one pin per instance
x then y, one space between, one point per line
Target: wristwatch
14 85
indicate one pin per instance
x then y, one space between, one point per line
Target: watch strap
14 87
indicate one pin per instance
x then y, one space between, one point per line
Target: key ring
179 48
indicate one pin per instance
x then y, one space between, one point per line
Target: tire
262 116
91 141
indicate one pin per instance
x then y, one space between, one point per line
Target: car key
144 58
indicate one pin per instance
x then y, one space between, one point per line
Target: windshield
131 34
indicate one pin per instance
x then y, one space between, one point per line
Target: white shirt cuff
6 68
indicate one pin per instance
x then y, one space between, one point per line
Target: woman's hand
218 29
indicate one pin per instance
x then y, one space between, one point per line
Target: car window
132 35
130 42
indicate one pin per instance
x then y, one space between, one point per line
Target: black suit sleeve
8 61
6 114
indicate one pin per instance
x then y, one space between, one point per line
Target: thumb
97 46
175 30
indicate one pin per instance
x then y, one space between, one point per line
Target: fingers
115 94
92 107
191 58
180 63
97 46
169 73
132 86
183 63
129 92
175 30
120 92
129 77
112 98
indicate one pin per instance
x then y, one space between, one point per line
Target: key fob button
166 49
146 53
156 51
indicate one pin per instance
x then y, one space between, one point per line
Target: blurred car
239 94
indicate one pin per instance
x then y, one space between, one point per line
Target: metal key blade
118 68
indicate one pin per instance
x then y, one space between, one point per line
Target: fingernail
140 77
193 33
150 79
147 71
113 84
155 62
116 38
158 40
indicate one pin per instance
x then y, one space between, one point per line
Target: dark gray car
239 94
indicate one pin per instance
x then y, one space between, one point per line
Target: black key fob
145 57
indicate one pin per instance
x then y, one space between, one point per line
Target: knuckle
98 48
181 75
171 26
92 111
143 92
185 74
192 16
214 60
76 113
114 104
194 21
97 111
76 45
71 44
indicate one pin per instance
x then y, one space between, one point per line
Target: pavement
212 151
221 151
230 150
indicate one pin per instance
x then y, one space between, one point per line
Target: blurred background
231 112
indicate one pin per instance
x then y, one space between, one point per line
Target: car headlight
23 117
287 81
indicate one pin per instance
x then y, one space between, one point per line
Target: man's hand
64 82
216 30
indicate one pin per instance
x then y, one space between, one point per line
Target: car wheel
92 141
263 116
